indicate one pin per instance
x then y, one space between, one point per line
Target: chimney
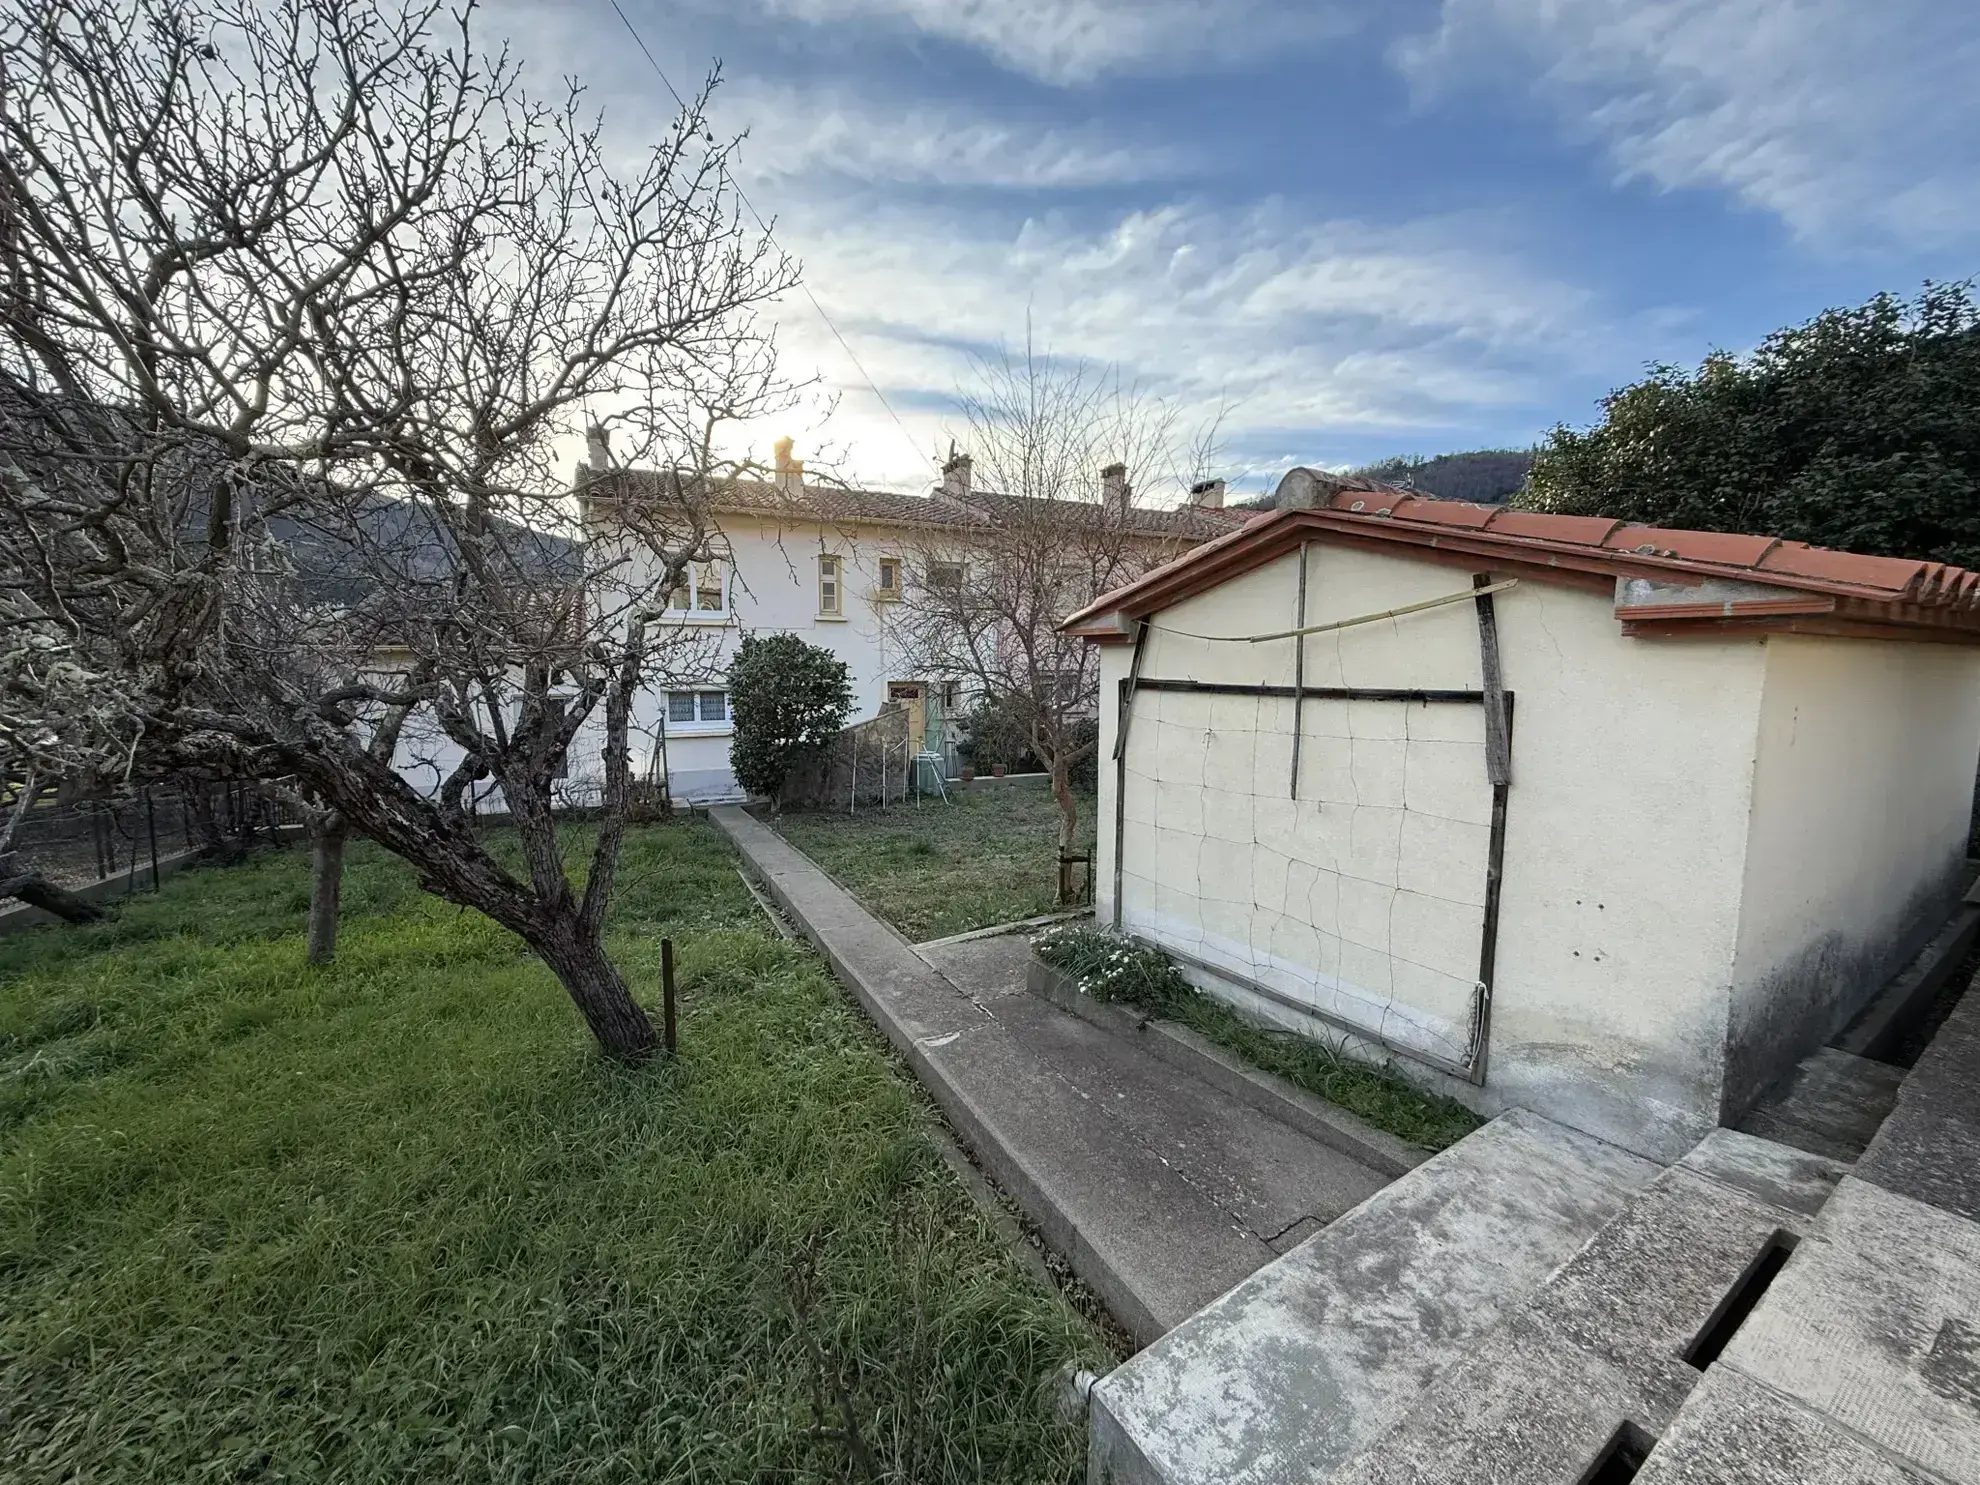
1207 495
790 472
1115 492
955 477
598 448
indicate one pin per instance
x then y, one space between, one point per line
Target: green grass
395 1220
1115 969
936 869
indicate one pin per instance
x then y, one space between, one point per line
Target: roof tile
1698 546
1898 593
1894 574
1586 531
1445 512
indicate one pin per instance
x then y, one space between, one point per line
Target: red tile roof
836 505
1693 581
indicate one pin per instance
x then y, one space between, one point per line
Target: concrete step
1861 1364
1604 1354
1161 1191
1832 1104
1286 1378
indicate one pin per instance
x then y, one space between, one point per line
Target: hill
1488 476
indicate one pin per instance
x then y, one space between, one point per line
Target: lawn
935 869
395 1220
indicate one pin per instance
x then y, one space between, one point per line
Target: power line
764 227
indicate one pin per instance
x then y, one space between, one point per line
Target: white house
829 564
1733 795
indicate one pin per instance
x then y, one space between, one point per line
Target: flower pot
968 773
996 770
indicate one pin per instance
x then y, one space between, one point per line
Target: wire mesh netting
871 763
80 843
1363 899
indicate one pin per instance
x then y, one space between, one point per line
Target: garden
986 855
396 1219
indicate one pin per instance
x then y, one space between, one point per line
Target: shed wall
1625 846
1863 788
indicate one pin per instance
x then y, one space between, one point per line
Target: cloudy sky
1372 226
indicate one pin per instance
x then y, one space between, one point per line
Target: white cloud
1334 326
795 132
1076 41
1847 119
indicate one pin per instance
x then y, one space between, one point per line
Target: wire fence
80 843
872 763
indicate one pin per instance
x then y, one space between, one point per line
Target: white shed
1733 792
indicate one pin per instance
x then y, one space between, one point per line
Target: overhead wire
764 227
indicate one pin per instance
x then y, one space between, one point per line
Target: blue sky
1374 228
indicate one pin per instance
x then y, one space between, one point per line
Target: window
828 585
890 578
710 589
697 711
945 577
702 591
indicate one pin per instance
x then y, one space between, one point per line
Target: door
914 696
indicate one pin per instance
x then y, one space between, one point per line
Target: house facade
1618 840
831 565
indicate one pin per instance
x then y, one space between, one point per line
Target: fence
79 844
872 763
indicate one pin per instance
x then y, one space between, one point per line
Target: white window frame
702 725
960 569
836 565
691 583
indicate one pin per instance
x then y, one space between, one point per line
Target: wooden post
1122 717
151 829
1299 671
1498 773
667 995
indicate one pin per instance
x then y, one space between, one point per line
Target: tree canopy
1859 429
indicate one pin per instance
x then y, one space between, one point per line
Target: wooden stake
667 995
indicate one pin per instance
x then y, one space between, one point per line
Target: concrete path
1161 1191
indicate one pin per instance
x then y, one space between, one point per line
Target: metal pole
667 994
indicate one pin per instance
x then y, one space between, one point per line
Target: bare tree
298 302
1046 522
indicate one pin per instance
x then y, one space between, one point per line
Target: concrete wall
1863 779
1625 848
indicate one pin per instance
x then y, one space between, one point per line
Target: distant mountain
1487 476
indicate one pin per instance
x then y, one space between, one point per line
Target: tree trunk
1068 820
17 879
326 890
594 985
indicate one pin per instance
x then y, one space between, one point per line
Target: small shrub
993 733
785 698
1123 972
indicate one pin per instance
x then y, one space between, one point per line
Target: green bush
786 697
1121 971
994 733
